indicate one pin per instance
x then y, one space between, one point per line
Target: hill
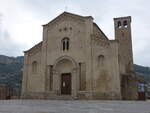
11 71
142 71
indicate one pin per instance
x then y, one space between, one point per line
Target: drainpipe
92 87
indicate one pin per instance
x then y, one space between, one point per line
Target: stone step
61 97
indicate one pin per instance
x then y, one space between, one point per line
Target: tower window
65 43
119 24
125 24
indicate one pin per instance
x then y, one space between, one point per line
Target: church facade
76 60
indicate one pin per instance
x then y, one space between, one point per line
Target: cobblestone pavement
74 106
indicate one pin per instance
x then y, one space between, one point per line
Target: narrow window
80 75
125 24
65 43
100 60
34 67
119 24
51 78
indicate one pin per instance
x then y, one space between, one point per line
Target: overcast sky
21 20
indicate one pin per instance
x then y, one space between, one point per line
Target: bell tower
123 35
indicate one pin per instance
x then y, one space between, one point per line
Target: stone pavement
73 106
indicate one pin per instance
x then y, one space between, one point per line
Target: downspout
27 71
92 87
46 81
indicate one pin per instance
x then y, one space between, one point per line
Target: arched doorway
65 76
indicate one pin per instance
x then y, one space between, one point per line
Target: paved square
74 106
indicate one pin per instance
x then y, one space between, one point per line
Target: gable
67 16
98 32
35 48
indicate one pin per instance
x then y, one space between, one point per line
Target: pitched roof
34 47
68 14
94 24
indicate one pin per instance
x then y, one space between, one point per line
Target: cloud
22 20
7 45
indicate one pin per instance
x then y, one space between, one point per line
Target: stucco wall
34 79
92 78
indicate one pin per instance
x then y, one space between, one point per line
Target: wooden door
66 83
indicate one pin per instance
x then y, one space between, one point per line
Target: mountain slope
143 71
11 71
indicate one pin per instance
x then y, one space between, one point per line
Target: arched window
125 24
65 44
34 67
100 60
119 24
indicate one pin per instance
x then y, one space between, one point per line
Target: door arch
66 73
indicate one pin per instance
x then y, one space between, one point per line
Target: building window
100 60
125 24
51 78
119 24
65 44
34 67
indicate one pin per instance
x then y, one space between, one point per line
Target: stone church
76 60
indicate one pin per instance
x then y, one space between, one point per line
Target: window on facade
100 60
125 24
34 67
119 24
65 44
51 77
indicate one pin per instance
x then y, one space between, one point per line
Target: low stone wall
95 95
37 95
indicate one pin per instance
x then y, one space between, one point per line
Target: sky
21 22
